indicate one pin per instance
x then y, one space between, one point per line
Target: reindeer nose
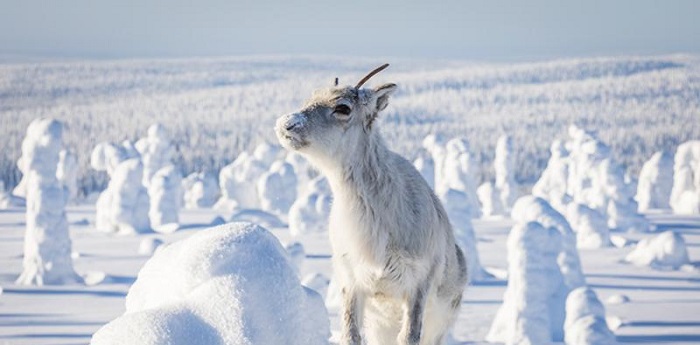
293 121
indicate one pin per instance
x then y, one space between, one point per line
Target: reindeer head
334 119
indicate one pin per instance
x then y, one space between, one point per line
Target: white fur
394 251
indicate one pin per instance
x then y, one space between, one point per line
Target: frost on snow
666 250
124 206
459 212
585 320
200 190
655 182
156 151
531 312
47 243
165 199
685 195
309 213
232 284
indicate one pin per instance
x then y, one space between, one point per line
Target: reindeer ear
382 93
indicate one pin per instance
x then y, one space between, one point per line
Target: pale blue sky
481 30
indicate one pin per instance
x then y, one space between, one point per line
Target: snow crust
666 250
231 284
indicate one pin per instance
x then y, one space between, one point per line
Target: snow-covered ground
662 309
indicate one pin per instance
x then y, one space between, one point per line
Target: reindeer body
394 252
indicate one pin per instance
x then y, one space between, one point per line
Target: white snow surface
231 284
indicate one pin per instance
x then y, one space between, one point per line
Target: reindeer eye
342 109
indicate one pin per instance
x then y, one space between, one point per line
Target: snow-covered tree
47 243
552 184
165 199
156 151
685 195
200 190
459 211
505 175
655 182
585 320
534 280
123 207
589 225
277 188
67 173
309 213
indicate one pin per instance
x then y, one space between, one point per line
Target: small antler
371 74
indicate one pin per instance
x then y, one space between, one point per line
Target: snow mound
231 284
585 319
617 299
667 250
200 190
655 182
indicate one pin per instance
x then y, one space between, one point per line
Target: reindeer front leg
353 314
412 326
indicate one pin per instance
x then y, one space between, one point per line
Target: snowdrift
232 284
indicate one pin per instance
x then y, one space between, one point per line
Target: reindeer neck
363 170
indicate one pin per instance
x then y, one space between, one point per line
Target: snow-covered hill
217 107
